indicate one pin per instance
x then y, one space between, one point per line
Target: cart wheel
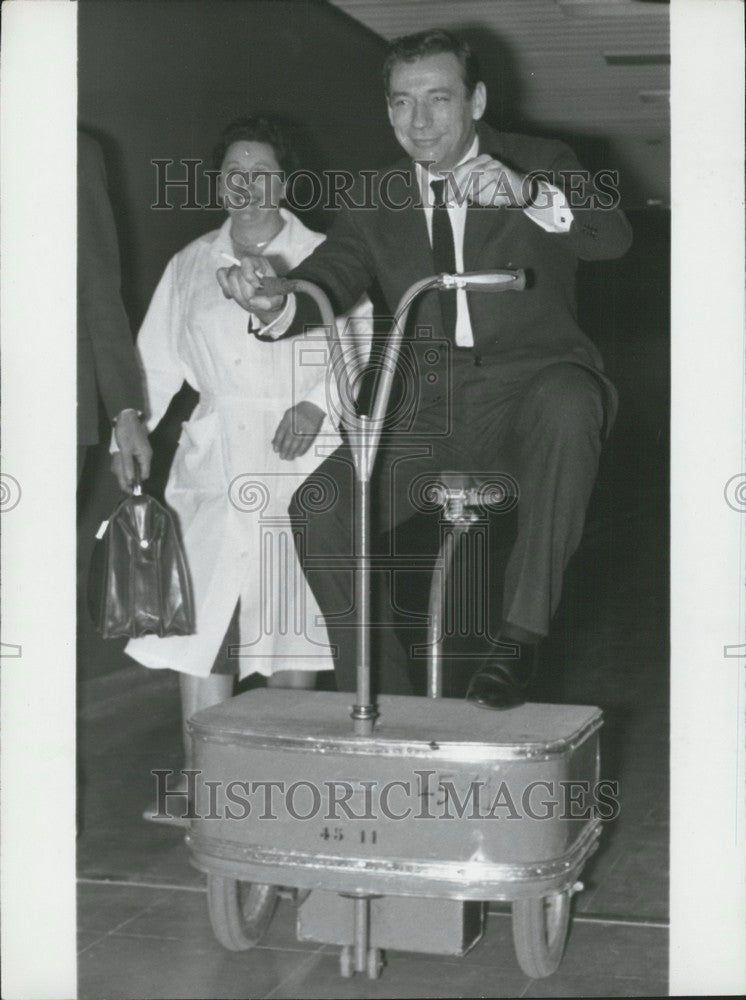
240 912
345 962
375 963
540 927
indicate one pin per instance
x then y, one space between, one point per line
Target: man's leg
556 429
323 513
552 440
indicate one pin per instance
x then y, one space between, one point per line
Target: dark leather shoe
503 683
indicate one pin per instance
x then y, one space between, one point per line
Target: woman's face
250 178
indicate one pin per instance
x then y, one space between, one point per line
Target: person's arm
158 344
341 267
599 229
102 315
565 200
162 369
99 288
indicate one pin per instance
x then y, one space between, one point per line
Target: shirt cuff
114 447
128 409
280 324
549 209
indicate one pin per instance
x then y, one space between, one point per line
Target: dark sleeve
341 266
599 229
101 311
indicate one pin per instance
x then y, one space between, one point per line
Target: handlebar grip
520 282
488 281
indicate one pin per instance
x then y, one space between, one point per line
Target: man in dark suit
521 388
107 365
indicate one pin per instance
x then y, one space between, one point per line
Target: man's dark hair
409 48
275 132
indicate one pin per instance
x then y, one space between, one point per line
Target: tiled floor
139 941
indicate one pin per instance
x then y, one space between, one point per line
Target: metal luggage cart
466 828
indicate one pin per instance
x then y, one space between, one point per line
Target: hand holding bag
138 582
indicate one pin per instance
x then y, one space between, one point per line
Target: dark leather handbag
138 582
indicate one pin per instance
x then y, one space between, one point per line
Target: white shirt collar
425 175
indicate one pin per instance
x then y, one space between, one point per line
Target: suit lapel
482 223
410 254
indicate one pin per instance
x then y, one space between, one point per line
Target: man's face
430 110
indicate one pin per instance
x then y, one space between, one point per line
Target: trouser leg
323 512
554 435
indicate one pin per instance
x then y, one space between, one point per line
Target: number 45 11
337 833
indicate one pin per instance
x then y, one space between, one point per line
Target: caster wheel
375 963
240 912
540 928
346 968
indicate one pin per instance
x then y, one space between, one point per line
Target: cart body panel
444 799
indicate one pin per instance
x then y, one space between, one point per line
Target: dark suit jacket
391 245
106 356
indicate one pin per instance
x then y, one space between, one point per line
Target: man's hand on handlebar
244 285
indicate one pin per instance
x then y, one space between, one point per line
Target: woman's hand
296 431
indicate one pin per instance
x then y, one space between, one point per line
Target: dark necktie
444 255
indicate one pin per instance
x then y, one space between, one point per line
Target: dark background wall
160 78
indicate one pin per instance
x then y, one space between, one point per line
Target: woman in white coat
260 427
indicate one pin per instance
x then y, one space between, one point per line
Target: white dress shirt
552 214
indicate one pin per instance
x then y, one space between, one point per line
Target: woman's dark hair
276 132
409 48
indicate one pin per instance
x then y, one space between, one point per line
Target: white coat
227 486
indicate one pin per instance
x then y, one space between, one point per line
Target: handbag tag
102 529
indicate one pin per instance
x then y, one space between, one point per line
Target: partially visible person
247 446
107 366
